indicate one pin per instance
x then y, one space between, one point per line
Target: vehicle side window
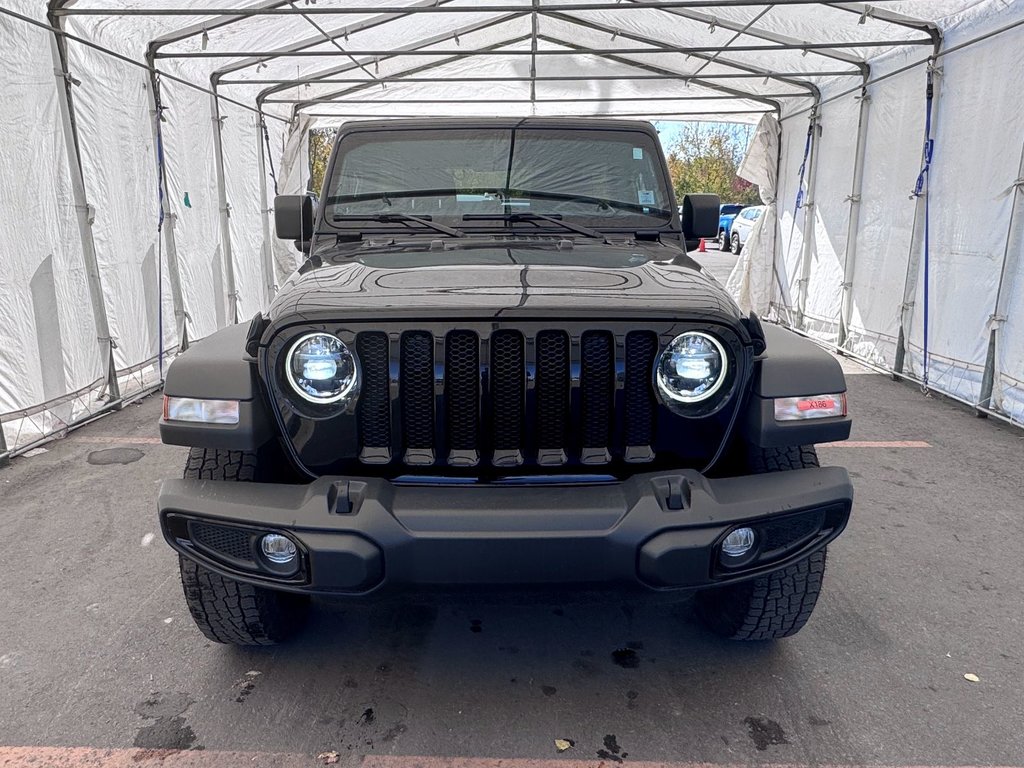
755 215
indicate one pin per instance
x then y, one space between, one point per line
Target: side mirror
294 216
700 217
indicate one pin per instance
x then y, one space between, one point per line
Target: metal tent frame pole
390 79
359 10
991 398
918 233
5 455
662 46
810 221
267 258
333 98
414 45
225 205
856 188
732 92
85 211
690 49
170 216
349 29
678 114
753 31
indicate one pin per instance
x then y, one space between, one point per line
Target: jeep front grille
464 398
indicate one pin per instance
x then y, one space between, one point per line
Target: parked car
742 226
501 368
726 213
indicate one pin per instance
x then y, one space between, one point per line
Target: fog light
738 543
278 549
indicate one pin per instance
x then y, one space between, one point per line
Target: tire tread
777 604
225 610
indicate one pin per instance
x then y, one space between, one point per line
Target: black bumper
358 535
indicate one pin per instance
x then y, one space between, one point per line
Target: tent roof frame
694 10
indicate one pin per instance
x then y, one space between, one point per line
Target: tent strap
158 114
921 189
803 168
270 155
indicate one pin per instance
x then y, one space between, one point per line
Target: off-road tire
225 610
762 460
219 464
231 612
778 604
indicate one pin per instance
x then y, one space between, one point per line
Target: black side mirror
700 217
294 216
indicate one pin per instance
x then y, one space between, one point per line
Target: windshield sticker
645 197
638 153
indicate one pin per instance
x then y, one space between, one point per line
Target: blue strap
921 188
803 167
158 116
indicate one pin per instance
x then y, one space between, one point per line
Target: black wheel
736 247
776 605
225 610
723 241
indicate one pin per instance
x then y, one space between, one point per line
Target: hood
521 277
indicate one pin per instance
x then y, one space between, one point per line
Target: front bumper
358 535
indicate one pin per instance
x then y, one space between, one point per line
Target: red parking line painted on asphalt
88 757
400 761
877 444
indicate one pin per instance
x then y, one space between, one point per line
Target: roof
343 59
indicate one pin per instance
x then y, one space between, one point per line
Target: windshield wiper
600 202
530 216
387 218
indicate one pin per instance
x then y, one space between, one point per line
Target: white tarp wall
114 255
971 190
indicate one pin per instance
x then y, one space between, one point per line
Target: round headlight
321 368
692 368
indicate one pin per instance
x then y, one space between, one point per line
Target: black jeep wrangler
498 366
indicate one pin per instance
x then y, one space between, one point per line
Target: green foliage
705 158
321 140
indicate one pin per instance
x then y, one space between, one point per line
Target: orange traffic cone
703 247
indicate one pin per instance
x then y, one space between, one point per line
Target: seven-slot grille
463 399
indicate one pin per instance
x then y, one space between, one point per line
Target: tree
705 158
321 140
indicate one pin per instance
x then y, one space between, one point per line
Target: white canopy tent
142 143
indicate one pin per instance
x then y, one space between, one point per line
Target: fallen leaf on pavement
971 677
329 758
563 744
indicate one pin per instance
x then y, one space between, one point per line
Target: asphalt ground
100 664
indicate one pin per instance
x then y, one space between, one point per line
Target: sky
669 131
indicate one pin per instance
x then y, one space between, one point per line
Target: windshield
476 177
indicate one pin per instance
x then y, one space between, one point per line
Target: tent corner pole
168 215
856 189
225 206
919 235
990 398
5 454
807 248
266 249
85 212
